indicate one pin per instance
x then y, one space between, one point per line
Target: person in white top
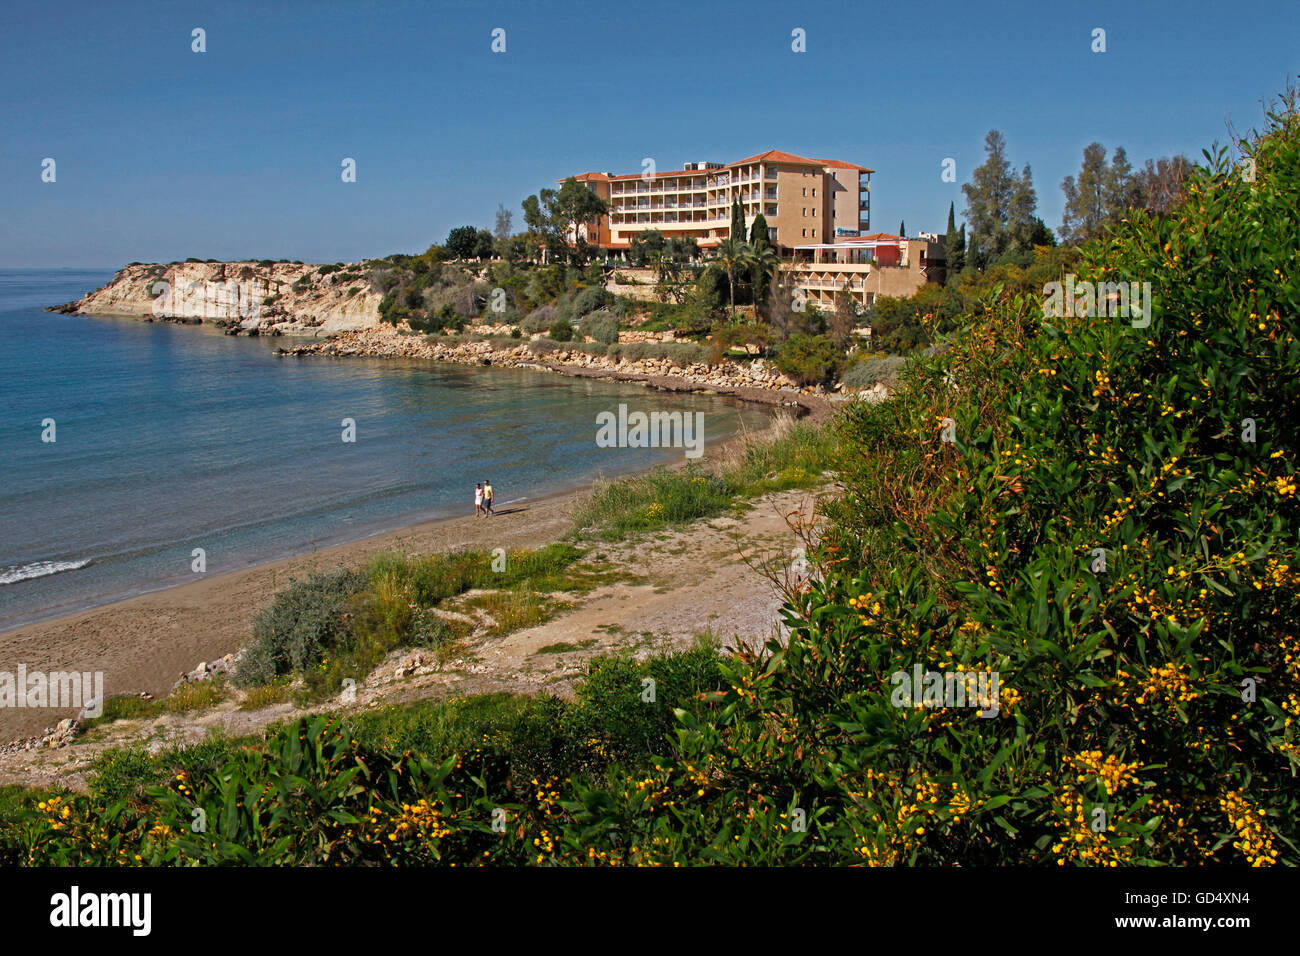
478 501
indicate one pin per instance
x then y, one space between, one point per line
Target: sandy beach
146 642
675 585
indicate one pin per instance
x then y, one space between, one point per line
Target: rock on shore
753 381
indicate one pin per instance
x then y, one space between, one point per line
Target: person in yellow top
487 497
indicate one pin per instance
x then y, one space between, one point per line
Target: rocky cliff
250 298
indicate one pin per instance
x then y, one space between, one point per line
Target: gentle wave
39 570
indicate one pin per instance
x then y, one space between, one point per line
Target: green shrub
561 331
303 621
540 319
869 370
437 728
589 300
602 327
809 359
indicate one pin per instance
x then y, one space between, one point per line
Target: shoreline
327 543
758 384
144 642
178 626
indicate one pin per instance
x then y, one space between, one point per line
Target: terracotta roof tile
770 156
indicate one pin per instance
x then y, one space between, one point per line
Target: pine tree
988 198
1021 222
1121 186
1085 198
505 219
1159 185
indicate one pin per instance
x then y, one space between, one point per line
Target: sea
127 445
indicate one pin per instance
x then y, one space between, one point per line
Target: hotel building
818 214
803 200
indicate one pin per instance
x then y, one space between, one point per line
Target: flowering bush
1097 516
1101 513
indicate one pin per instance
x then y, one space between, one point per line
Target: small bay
171 438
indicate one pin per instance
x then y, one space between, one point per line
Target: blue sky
163 153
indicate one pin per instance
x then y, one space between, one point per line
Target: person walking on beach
487 497
478 501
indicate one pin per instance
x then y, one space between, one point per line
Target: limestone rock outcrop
243 298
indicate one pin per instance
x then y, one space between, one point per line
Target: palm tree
660 260
732 254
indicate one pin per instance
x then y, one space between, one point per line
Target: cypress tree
758 241
902 228
737 221
954 244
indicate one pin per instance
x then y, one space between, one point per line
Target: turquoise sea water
171 438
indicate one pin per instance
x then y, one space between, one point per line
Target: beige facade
818 214
872 266
803 200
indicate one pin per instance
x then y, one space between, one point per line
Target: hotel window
805 233
805 190
814 190
814 233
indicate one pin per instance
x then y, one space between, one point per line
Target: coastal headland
334 312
